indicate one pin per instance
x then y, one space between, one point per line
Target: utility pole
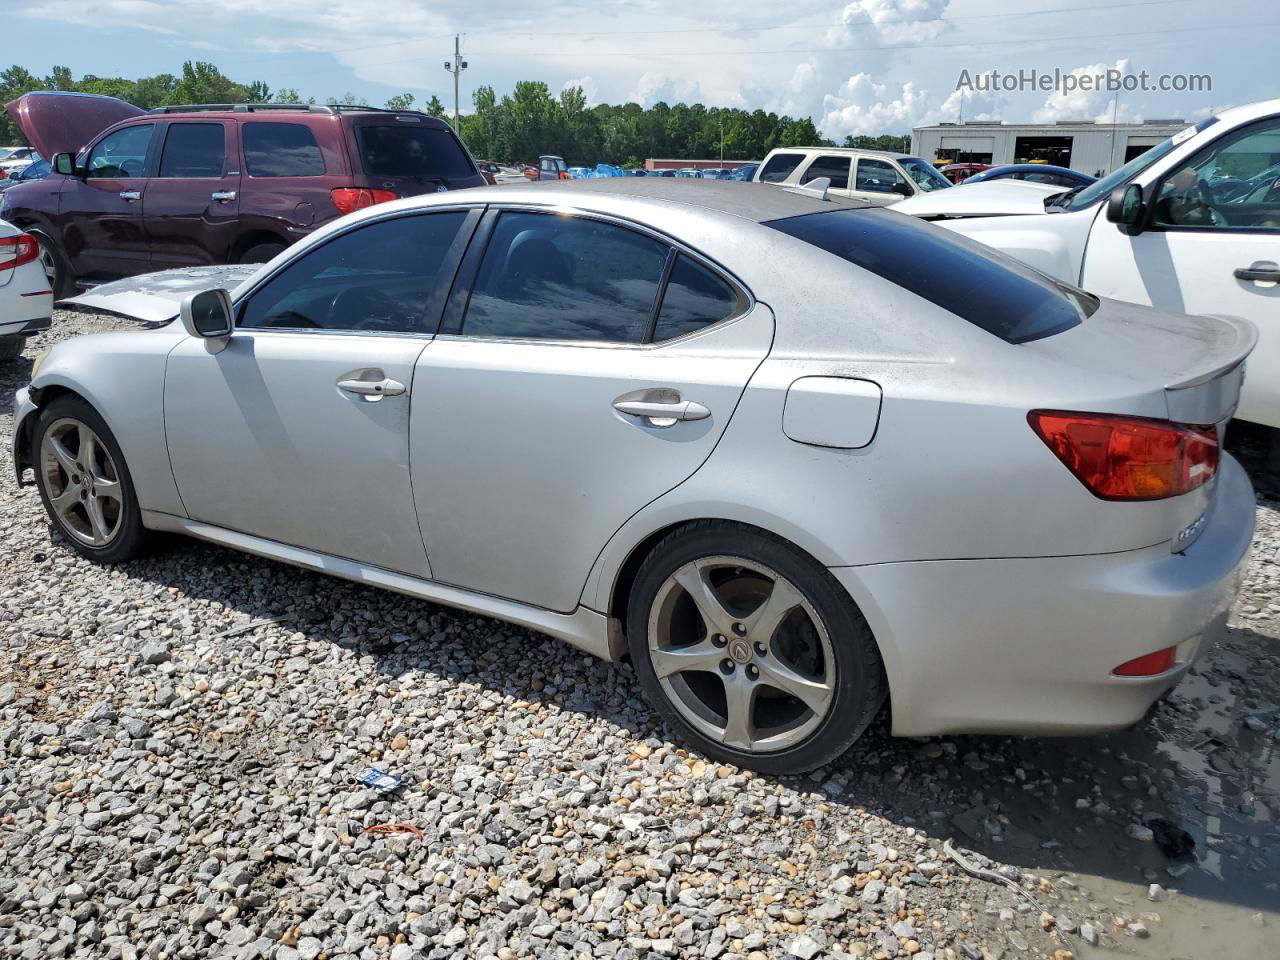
722 139
456 67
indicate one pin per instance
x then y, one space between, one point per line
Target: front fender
23 420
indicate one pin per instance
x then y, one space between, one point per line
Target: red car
960 172
133 192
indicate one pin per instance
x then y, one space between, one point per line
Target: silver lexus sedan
793 456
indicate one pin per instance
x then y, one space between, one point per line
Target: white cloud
862 105
899 21
653 87
1089 104
588 85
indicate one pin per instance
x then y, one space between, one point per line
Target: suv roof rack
242 107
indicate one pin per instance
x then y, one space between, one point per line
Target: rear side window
986 288
556 278
780 166
837 168
193 150
695 298
411 151
281 150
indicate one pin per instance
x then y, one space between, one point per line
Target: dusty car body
727 430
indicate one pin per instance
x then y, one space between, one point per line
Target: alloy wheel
81 482
50 265
741 654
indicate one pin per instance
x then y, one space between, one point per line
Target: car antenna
814 188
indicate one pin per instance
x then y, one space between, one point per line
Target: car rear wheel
261 253
56 268
84 483
752 650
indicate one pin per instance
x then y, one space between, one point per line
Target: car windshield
1001 295
1099 190
412 152
926 176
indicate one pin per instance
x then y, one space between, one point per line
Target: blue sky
869 66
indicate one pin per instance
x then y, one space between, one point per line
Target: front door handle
373 389
223 196
661 413
131 195
1263 271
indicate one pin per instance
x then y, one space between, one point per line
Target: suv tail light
15 251
566 175
350 199
1129 458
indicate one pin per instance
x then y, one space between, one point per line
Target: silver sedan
795 457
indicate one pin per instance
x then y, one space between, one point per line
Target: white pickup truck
1190 226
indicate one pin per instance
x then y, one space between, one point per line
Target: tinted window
695 298
837 168
984 287
377 278
281 150
565 278
193 150
877 176
410 150
122 154
1234 184
1102 188
780 166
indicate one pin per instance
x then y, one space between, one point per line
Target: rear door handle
373 389
1262 270
131 195
660 414
223 196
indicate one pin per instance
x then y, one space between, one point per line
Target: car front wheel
752 650
84 483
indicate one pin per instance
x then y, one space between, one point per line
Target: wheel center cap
740 650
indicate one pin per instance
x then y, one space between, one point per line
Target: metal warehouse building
1093 148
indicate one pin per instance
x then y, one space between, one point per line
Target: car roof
851 151
1045 167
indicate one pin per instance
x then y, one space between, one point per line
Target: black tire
128 538
860 687
63 282
260 253
11 347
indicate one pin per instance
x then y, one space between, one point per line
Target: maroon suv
134 191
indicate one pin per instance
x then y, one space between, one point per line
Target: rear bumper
1028 645
23 328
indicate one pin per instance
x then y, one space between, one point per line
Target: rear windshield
412 152
982 286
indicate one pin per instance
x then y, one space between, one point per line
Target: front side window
377 278
193 150
976 283
1232 185
877 176
695 298
281 150
835 167
121 155
565 278
1100 189
924 175
779 167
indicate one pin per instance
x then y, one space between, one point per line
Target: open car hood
57 122
990 198
156 297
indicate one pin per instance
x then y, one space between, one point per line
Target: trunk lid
60 122
409 153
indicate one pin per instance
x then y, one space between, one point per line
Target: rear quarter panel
291 207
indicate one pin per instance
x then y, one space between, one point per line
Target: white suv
870 175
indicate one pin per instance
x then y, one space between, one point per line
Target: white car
871 175
1192 225
26 301
18 158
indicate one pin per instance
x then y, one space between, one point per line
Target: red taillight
1148 665
1129 458
566 175
350 199
15 251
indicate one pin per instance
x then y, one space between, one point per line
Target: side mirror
208 315
1126 208
65 164
902 188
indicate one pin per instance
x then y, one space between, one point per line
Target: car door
297 431
191 209
834 167
1208 250
875 181
101 210
563 395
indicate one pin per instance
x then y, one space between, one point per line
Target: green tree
202 82
401 101
259 92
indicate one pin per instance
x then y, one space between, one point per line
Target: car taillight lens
1129 458
1148 665
350 199
15 251
566 175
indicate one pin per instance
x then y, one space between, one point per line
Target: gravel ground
180 738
